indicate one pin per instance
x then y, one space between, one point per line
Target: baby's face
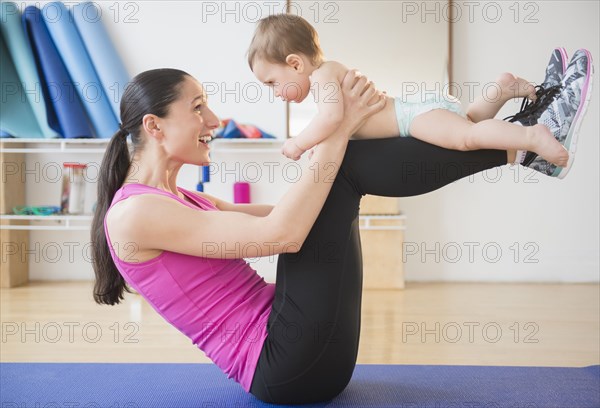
287 83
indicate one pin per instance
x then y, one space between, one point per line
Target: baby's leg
448 129
507 87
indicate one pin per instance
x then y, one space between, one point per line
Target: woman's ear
150 125
296 62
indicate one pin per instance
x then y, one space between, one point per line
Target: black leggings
313 329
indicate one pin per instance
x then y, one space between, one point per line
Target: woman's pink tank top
222 305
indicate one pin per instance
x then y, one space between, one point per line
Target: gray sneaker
545 93
556 68
564 115
530 111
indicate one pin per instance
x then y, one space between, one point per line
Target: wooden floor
426 323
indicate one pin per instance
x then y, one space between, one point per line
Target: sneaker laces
544 96
527 113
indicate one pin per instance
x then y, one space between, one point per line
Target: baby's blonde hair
280 35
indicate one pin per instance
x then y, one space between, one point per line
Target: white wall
554 223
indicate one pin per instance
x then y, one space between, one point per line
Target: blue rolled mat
16 115
109 66
151 385
73 53
231 131
65 110
22 57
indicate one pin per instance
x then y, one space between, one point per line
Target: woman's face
189 125
286 82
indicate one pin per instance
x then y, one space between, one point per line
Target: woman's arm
158 222
259 210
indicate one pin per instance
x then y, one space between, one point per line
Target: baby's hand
291 150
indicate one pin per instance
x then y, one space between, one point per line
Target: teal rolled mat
23 60
73 52
16 115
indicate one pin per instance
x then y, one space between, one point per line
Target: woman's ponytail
109 284
151 92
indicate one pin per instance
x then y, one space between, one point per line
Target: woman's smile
203 140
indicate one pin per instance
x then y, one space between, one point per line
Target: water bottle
73 188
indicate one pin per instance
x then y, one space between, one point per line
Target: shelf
99 145
58 222
55 145
54 140
370 222
367 222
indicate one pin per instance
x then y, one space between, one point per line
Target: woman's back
222 305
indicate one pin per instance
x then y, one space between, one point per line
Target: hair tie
122 129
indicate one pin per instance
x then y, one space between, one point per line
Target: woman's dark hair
150 92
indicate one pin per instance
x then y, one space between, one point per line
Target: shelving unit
219 145
16 148
377 229
22 146
77 222
49 222
54 145
390 222
81 222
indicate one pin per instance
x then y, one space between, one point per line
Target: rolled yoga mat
65 110
17 118
151 385
68 42
109 66
22 57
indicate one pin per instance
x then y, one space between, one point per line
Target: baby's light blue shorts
406 111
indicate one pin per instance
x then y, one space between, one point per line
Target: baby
285 54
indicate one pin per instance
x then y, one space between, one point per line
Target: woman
292 342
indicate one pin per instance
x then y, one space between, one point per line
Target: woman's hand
358 95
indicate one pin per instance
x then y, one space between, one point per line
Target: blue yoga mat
65 36
204 385
22 57
109 67
65 110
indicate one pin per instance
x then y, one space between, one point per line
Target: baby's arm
325 84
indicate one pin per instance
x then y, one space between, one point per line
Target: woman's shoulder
131 206
132 218
137 204
129 222
134 201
